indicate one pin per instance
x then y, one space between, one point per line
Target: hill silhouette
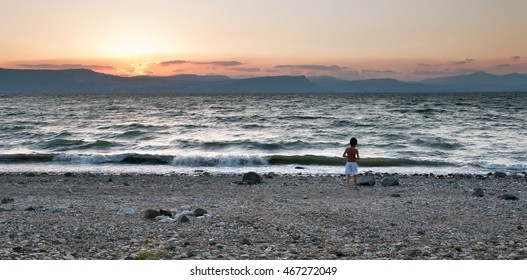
88 81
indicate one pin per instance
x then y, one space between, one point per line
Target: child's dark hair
353 141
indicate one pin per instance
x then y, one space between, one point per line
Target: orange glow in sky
408 40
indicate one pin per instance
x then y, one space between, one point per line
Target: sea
405 133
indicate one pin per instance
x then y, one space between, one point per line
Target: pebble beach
83 216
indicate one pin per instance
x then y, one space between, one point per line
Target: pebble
442 222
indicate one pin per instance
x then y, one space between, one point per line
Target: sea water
283 133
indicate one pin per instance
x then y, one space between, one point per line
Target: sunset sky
352 39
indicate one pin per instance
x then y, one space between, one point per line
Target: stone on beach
366 180
252 178
389 181
151 214
126 211
199 212
478 192
508 196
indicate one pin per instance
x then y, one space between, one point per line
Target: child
352 155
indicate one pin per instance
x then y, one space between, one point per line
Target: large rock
366 180
389 181
151 214
252 178
200 212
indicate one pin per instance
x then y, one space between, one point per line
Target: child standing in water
352 155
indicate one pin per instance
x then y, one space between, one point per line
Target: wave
66 144
364 162
204 161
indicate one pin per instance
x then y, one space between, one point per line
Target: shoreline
101 216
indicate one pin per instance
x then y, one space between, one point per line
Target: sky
350 39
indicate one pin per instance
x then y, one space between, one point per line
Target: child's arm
357 158
345 153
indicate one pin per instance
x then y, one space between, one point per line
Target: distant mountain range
88 81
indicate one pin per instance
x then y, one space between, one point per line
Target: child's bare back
351 154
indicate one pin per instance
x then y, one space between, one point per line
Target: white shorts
352 168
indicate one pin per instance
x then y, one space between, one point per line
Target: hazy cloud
503 65
445 72
427 65
241 69
431 73
369 71
468 60
313 67
65 66
516 58
220 63
172 62
217 63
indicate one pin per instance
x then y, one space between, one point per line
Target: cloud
241 69
448 71
516 58
313 67
220 63
427 65
468 60
65 66
431 73
172 62
216 63
369 71
503 65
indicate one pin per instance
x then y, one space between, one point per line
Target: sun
132 44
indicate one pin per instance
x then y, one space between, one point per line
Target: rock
150 214
165 213
478 192
165 219
30 208
68 174
246 241
7 200
200 212
251 177
183 219
366 180
126 211
395 195
69 257
389 181
500 174
507 196
185 208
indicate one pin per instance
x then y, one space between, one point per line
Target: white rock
126 211
166 219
